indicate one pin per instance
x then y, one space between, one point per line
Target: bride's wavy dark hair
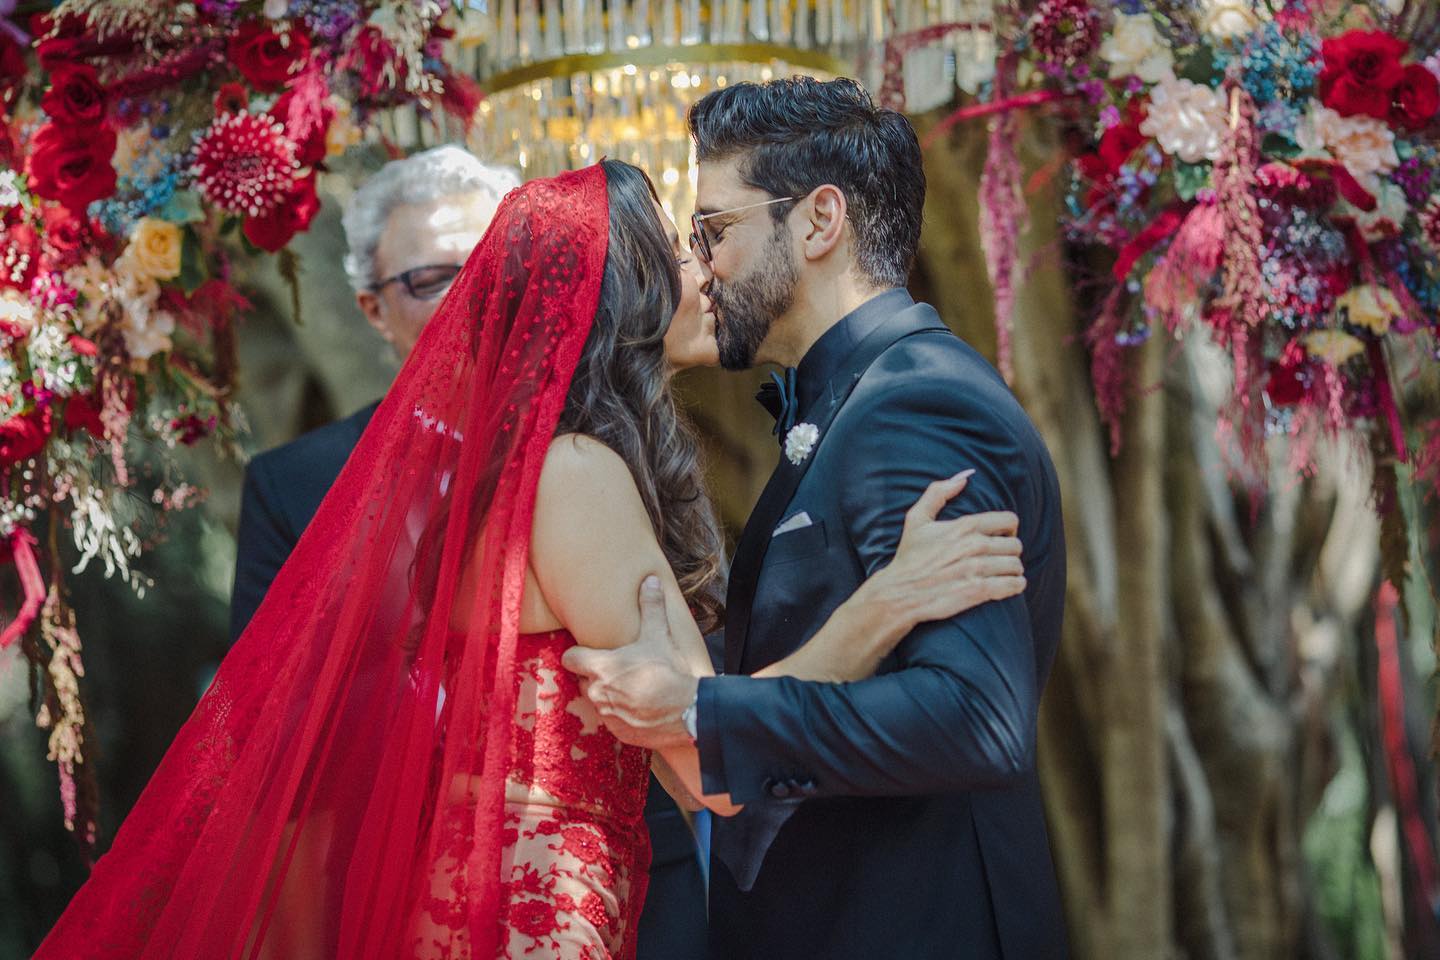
621 393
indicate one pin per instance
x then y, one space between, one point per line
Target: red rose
24 436
83 413
83 346
231 98
75 96
71 165
265 57
1285 385
66 238
1362 70
1117 144
64 231
1417 98
12 66
271 231
311 150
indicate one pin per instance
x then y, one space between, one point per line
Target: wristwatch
688 717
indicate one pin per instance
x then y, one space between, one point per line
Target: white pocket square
799 521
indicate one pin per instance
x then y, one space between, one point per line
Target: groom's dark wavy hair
797 133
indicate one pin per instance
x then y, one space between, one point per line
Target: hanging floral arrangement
1267 173
143 146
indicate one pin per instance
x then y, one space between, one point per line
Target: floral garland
1268 171
142 146
1275 176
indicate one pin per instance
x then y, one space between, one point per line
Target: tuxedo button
778 789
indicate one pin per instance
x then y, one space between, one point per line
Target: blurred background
1212 740
1236 740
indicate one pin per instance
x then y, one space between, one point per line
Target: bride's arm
591 546
940 569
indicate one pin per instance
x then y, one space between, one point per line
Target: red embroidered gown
360 781
577 854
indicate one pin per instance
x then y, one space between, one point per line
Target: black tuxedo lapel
755 540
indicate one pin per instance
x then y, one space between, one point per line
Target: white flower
1187 119
1136 47
17 310
1364 145
1228 19
9 190
52 359
276 9
148 334
800 441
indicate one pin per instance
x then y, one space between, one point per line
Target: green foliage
1337 852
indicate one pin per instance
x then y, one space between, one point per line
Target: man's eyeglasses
700 238
423 283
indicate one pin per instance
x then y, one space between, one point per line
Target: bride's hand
944 567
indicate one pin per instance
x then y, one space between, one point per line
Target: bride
391 762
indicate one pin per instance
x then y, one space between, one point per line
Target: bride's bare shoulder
592 542
577 462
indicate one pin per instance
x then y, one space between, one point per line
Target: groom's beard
746 308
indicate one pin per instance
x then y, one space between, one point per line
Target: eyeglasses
423 283
700 239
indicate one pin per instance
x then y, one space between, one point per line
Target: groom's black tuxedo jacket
283 489
899 816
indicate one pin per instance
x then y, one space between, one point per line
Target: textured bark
1182 746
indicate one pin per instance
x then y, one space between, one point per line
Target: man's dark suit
899 816
283 489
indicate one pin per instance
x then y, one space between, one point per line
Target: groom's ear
825 221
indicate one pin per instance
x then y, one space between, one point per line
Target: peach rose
154 249
1365 146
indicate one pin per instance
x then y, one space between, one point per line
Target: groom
899 816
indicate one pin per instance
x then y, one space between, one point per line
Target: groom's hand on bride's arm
641 690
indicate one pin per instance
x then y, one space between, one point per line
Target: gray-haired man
409 230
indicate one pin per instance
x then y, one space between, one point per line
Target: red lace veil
339 790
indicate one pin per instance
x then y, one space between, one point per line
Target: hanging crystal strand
690 22
529 42
734 21
780 19
617 31
667 22
552 43
875 21
842 27
508 34
823 37
801 30
950 13
759 22
573 25
594 27
640 29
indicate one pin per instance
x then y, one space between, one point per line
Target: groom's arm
960 712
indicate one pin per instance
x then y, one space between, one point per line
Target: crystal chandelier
570 81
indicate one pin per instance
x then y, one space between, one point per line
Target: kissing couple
434 738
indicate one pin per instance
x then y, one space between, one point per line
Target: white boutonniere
800 441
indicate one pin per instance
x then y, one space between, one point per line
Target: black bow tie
778 396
